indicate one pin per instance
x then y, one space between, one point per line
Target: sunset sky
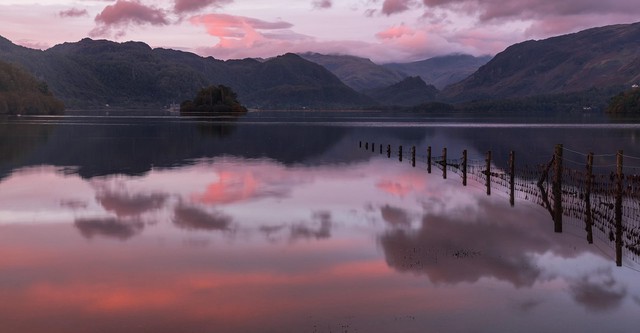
382 30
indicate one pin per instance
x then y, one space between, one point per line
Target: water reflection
197 219
122 229
338 240
136 146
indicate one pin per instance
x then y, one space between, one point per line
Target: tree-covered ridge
625 102
92 73
213 100
21 93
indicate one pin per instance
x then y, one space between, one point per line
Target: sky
381 30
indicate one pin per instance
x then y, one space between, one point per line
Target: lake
147 223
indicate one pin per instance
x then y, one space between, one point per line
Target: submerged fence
595 193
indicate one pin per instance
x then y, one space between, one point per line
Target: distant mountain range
584 68
362 74
441 71
358 73
597 59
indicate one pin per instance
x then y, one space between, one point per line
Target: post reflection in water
269 241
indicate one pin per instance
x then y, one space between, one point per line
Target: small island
21 93
213 100
626 102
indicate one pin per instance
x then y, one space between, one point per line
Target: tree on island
626 102
21 93
213 100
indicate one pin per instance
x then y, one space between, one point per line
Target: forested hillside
21 93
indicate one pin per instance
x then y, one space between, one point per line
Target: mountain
593 60
92 73
358 73
21 93
408 92
441 71
290 79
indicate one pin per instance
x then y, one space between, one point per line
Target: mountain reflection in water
237 233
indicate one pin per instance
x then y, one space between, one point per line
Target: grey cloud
123 204
322 231
395 216
124 13
450 249
321 4
73 12
109 227
197 219
598 292
181 6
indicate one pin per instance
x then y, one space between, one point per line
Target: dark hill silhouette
358 73
598 58
408 92
92 73
291 80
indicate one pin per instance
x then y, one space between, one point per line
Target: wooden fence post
512 177
587 198
557 189
388 151
429 159
373 147
400 154
366 145
618 208
464 167
381 149
413 156
444 163
488 172
360 144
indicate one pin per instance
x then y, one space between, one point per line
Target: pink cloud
73 12
395 32
181 6
321 4
242 32
125 13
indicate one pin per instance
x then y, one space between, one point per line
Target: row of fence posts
463 166
557 209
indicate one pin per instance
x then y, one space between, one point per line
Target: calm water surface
159 224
